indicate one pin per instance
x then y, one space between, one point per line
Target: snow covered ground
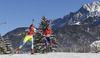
54 55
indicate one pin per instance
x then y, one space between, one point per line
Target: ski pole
3 23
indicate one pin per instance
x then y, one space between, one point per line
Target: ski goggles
32 27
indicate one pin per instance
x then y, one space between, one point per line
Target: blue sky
19 13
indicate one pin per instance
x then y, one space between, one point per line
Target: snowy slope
54 55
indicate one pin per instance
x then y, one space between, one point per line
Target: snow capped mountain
93 7
87 14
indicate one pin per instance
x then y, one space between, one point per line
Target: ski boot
50 49
32 51
17 51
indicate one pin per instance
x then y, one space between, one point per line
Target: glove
23 35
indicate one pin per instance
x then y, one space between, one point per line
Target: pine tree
5 46
40 41
2 46
8 46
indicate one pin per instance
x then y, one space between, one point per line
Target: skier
29 36
47 32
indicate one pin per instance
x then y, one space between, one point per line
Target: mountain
71 37
88 14
62 21
83 25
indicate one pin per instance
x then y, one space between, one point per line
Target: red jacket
47 32
30 32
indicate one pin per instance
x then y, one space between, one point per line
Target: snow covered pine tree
40 38
8 46
3 47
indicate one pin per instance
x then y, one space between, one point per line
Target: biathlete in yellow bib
29 36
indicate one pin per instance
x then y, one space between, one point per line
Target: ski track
54 55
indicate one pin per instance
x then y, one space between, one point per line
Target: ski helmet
48 25
32 25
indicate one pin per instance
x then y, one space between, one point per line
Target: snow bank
95 46
54 55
